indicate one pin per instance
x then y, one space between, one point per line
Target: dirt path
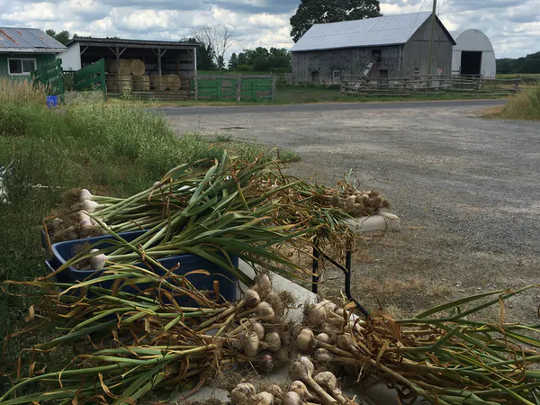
467 189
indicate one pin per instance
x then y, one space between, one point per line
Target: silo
474 55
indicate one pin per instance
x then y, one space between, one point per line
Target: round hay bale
141 83
120 67
138 68
173 82
158 82
125 83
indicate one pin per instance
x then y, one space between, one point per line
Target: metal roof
131 43
30 40
377 31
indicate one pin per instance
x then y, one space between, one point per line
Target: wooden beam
117 52
159 53
83 50
195 75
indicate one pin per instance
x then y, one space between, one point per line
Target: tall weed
20 92
525 105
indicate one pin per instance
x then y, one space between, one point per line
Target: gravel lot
466 188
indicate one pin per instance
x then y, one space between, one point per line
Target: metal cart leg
347 270
315 269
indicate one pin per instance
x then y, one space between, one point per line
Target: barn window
21 66
336 76
376 53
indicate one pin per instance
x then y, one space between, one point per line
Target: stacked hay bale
125 75
141 83
158 82
173 82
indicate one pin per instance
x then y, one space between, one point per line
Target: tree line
527 64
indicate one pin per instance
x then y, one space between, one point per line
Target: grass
519 76
112 148
524 106
321 94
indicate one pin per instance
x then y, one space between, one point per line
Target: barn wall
347 61
416 52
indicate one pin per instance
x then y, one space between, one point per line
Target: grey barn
395 46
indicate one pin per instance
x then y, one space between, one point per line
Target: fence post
274 81
238 88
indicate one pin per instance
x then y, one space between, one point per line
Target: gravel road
467 189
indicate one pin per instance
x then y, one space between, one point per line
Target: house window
376 54
21 66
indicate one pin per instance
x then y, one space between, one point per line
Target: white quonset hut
474 55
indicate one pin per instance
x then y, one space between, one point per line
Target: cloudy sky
512 25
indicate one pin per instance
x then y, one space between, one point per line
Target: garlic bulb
85 195
258 328
263 398
305 341
275 390
250 343
89 205
322 355
265 311
292 398
273 341
263 285
300 388
97 262
251 298
242 394
323 337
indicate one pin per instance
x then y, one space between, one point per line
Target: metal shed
392 46
474 55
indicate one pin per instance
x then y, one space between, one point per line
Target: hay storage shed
134 64
474 55
394 46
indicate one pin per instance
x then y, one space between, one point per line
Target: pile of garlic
308 388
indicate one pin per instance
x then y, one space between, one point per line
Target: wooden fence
467 85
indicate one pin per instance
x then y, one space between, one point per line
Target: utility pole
433 18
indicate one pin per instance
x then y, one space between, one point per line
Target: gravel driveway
467 189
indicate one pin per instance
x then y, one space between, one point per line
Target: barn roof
29 40
377 31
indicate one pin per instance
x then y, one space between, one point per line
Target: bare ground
467 190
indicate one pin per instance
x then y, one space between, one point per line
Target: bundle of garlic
440 355
307 388
354 202
130 344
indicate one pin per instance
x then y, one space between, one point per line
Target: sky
512 25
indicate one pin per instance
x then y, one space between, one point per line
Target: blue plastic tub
183 264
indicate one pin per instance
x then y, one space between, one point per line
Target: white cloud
512 25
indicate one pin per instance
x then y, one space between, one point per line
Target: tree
218 38
62 37
233 62
326 11
205 55
261 60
